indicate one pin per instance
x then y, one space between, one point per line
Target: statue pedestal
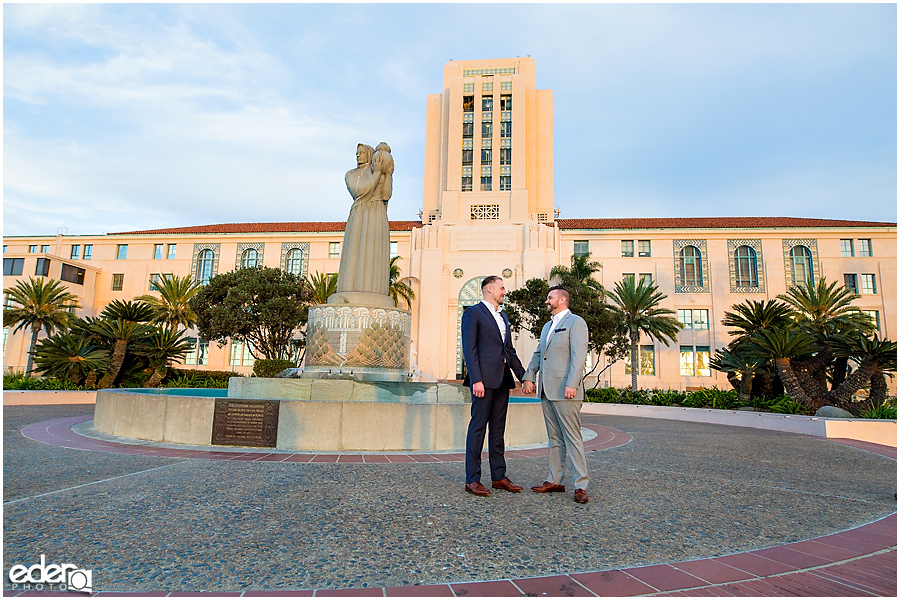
367 299
361 342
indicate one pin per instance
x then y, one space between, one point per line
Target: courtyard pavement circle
676 508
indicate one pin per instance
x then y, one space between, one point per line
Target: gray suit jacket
560 362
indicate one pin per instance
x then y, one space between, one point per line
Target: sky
119 117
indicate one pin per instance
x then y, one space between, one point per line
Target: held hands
528 387
478 389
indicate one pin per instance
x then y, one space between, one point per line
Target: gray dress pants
563 420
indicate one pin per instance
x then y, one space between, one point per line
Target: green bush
666 397
886 410
697 399
787 405
608 395
19 381
629 396
187 378
270 367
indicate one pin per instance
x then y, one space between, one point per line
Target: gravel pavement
677 491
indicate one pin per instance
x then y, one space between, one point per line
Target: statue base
362 299
359 342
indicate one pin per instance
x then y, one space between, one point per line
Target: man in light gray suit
559 361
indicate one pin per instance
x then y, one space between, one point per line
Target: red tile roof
635 223
322 226
712 223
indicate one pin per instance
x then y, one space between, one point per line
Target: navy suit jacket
488 358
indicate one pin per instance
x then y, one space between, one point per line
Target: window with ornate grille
480 212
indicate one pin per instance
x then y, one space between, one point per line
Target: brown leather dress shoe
581 496
477 489
548 487
506 484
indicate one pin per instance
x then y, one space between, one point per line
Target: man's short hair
564 293
489 280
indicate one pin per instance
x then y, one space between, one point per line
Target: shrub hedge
703 398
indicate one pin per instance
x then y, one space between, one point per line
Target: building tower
489 145
487 206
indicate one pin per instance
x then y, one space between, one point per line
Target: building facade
488 208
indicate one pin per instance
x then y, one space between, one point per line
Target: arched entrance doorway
469 294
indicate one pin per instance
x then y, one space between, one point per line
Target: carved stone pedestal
350 341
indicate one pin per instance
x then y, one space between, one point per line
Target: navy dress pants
490 409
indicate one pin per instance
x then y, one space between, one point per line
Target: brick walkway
856 562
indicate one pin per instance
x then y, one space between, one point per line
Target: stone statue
364 273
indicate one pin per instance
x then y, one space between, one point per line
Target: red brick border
58 432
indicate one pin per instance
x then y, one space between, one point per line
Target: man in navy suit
490 362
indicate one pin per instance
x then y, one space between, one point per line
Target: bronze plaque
242 423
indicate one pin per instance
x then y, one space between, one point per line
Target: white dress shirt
555 321
498 318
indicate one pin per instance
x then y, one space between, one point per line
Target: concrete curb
876 431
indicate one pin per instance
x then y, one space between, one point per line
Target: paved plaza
780 513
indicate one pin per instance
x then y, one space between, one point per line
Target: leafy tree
607 335
161 347
397 287
264 307
323 285
173 304
69 356
39 305
638 308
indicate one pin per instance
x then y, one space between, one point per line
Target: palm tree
323 285
875 358
39 305
581 273
739 363
121 333
825 310
753 316
780 346
172 306
161 347
69 356
398 288
638 307
130 311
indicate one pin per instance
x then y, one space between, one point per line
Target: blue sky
130 116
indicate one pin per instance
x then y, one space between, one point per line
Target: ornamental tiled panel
677 246
760 268
304 260
482 72
258 246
